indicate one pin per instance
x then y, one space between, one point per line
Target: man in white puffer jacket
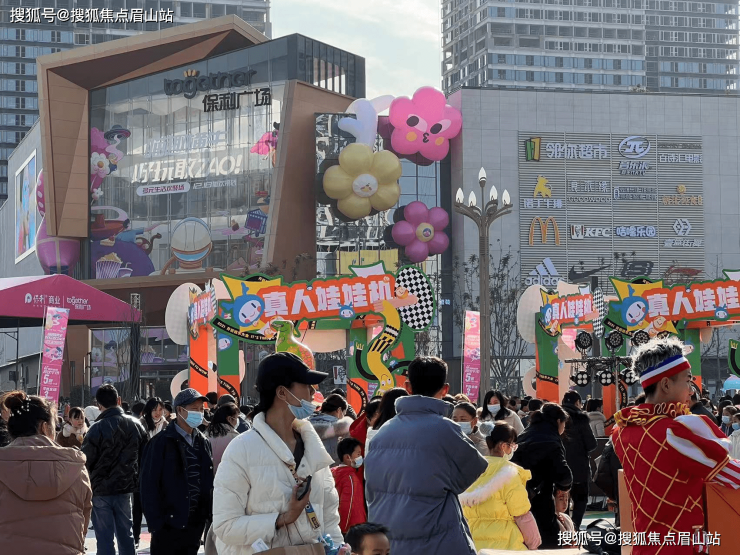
256 483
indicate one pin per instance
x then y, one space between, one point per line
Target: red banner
471 355
55 332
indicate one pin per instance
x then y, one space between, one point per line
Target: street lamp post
483 218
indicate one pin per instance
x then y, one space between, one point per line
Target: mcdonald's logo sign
544 226
532 148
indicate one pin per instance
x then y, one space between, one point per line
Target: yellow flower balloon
364 180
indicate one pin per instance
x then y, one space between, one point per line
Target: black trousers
172 541
137 514
579 495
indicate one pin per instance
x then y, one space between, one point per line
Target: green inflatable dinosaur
285 341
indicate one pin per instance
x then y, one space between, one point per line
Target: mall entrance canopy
23 302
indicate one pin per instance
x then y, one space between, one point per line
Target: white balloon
176 314
529 305
364 128
529 376
176 384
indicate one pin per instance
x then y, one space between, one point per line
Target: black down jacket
579 441
165 493
541 452
113 447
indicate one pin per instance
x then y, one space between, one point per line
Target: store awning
23 302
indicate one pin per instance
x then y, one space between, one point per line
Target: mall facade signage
620 196
194 82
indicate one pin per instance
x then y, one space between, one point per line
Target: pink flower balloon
424 124
421 231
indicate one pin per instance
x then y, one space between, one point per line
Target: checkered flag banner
418 316
600 306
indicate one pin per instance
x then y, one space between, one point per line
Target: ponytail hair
27 413
333 403
502 432
550 412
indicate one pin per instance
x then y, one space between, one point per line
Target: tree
507 346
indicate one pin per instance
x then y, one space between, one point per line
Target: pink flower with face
424 124
421 231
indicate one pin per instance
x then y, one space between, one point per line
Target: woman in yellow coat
496 505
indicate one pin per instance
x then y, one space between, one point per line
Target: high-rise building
691 46
590 44
49 26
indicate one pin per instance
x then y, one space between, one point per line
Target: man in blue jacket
417 465
177 480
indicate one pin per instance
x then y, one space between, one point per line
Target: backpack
603 475
602 538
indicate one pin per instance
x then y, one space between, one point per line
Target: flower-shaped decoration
421 231
424 124
363 181
99 165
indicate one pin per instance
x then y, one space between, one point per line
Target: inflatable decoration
57 255
285 341
363 181
424 124
364 127
40 202
421 232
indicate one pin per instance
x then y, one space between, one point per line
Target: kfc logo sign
583 232
634 147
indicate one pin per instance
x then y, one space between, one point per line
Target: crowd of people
428 472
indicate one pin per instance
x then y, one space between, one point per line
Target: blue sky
399 39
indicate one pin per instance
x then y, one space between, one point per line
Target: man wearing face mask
177 480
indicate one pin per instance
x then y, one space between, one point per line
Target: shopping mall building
166 158
606 184
204 159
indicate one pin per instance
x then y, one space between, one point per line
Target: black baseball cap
284 369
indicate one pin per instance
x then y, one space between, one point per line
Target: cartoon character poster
25 209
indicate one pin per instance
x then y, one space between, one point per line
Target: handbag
597 534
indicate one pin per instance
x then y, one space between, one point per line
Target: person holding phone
274 483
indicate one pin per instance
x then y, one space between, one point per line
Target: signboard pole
41 359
